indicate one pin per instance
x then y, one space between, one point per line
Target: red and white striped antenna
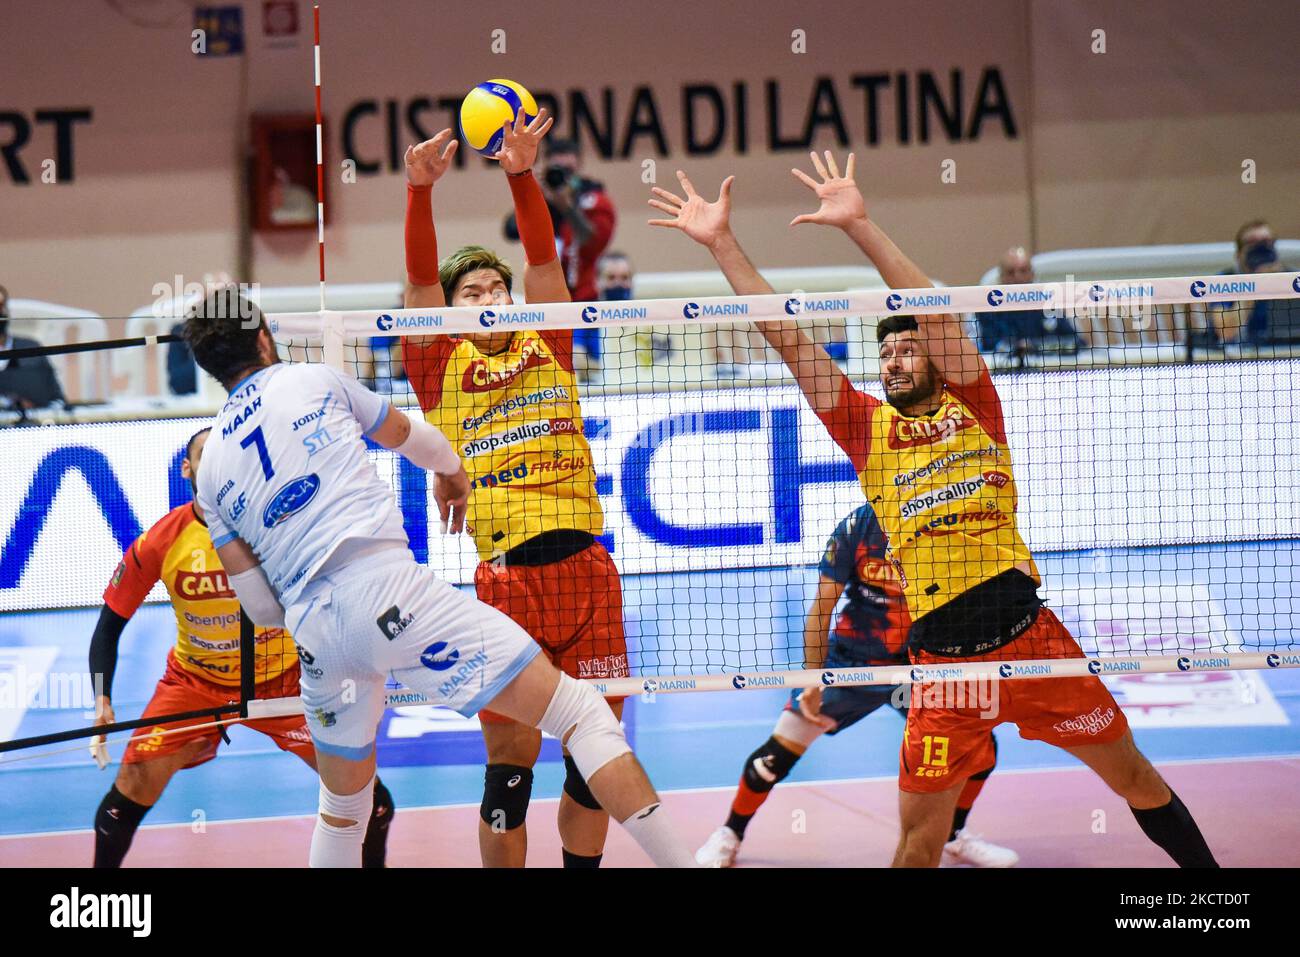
320 163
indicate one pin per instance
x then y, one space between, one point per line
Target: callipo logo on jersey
199 586
909 433
480 377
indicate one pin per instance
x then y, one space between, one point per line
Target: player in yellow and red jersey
508 400
202 672
935 465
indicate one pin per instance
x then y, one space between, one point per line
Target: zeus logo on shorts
392 624
429 657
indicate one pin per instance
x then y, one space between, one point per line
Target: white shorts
385 615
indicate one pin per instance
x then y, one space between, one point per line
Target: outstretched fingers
817 165
805 179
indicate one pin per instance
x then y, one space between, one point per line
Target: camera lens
556 176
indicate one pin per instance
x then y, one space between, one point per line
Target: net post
332 335
247 662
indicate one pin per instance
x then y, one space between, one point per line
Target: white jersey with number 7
285 469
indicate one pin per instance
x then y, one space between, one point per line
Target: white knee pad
597 738
349 807
333 846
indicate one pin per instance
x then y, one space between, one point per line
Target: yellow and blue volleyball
487 108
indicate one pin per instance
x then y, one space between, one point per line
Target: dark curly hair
222 331
891 324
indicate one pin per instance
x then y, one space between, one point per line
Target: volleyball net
1156 478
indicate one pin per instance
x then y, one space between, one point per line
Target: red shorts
181 690
573 608
943 746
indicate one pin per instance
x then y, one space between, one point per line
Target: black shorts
849 704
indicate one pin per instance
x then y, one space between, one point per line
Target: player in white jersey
311 538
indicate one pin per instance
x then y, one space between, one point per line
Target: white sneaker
973 850
719 850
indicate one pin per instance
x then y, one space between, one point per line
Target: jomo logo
994 297
738 682
487 318
429 657
384 322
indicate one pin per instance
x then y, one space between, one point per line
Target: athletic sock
651 828
116 821
577 860
1171 827
374 850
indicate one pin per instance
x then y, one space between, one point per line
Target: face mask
617 293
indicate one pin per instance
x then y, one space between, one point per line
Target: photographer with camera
583 216
1263 322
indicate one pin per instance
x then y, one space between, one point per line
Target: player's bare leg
513 744
571 710
582 829
145 781
924 820
1159 811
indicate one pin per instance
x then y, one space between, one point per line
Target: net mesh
1152 464
1152 449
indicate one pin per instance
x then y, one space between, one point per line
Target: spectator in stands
614 284
1024 331
1264 321
28 383
583 215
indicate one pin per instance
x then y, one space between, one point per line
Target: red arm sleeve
849 423
981 397
426 365
141 566
536 231
421 239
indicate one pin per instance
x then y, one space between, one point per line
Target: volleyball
487 108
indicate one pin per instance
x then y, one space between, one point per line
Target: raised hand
519 145
841 201
704 222
426 162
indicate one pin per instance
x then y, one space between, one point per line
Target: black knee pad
576 788
768 766
507 789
